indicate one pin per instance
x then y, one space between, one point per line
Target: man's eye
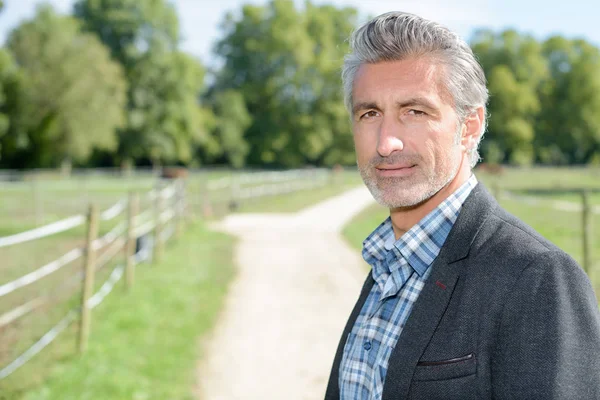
416 112
369 114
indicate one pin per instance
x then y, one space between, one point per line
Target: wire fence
139 227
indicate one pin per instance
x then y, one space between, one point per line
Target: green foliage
274 100
164 115
515 68
8 80
70 94
545 98
131 28
164 121
285 63
570 121
231 121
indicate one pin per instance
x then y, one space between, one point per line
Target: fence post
205 201
586 228
88 286
37 202
234 201
131 239
179 206
158 244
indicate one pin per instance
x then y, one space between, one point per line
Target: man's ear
472 128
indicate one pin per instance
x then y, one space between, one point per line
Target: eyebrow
415 101
363 106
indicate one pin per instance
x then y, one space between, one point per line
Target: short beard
424 190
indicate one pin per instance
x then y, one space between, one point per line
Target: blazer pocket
446 369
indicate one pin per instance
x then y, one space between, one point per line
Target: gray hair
396 36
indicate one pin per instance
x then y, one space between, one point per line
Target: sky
200 19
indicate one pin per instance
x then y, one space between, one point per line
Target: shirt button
367 346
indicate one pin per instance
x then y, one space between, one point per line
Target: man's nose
389 139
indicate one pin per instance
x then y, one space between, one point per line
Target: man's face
405 131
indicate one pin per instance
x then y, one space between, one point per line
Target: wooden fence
119 244
140 225
222 195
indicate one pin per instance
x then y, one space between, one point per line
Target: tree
9 81
569 126
515 69
285 63
71 94
164 121
131 28
231 119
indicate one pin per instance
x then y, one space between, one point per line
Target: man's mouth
395 170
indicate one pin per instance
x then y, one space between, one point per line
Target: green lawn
144 344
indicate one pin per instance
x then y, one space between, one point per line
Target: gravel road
297 282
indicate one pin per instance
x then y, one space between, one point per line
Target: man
464 300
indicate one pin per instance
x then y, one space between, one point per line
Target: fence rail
113 243
166 207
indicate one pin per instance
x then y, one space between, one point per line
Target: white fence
166 208
162 219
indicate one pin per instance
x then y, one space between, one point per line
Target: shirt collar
421 244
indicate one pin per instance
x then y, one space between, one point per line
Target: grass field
143 344
561 227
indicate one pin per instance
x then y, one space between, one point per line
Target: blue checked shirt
400 269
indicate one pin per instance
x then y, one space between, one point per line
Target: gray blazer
505 314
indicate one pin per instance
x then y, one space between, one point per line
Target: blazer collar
475 210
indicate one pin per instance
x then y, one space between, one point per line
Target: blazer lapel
436 294
420 326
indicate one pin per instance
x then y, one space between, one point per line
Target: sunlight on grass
144 344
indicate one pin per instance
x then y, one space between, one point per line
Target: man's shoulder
514 245
507 254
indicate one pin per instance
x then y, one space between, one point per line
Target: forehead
399 80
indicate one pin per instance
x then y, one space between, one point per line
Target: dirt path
296 285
